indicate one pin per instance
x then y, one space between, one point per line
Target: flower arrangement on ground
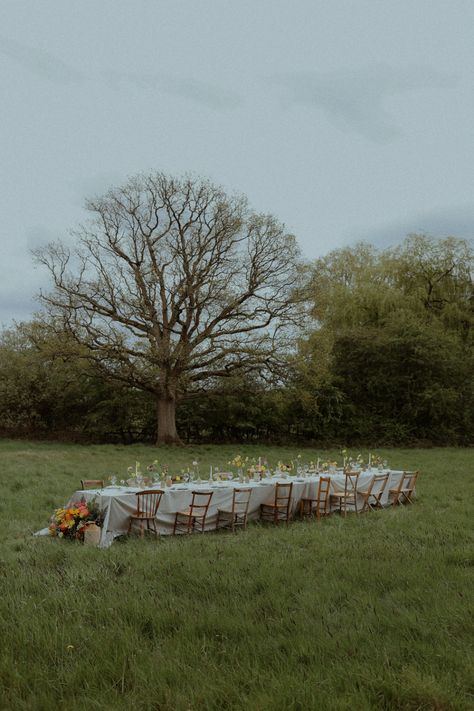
70 522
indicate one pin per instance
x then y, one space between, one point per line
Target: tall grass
369 612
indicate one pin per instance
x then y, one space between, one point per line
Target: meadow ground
369 612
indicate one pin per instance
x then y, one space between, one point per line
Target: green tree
392 342
49 389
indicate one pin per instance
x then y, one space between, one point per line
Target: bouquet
70 522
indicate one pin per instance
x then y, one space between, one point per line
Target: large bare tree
172 285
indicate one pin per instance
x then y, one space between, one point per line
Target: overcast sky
347 119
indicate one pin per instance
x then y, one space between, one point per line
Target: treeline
386 357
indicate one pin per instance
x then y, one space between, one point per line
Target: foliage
48 389
387 358
393 347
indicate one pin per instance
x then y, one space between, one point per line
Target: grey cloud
50 67
452 221
201 92
41 235
183 87
41 62
15 310
17 305
354 99
96 184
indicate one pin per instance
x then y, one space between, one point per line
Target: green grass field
369 612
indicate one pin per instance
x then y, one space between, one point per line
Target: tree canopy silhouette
173 285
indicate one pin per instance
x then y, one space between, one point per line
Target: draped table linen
120 502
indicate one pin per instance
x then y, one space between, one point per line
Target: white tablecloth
120 502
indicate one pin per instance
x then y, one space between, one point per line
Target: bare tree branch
174 284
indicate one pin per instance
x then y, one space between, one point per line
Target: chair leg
151 526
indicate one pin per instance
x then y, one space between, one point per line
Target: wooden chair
403 493
194 519
92 484
349 495
319 505
237 515
280 510
372 498
147 506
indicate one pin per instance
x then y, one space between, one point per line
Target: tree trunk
166 433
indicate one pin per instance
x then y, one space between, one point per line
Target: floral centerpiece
376 461
71 522
238 461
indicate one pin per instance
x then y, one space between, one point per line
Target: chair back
148 502
409 480
372 497
378 485
322 497
350 483
92 484
283 495
200 503
240 501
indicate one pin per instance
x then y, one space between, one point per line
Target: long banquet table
119 502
